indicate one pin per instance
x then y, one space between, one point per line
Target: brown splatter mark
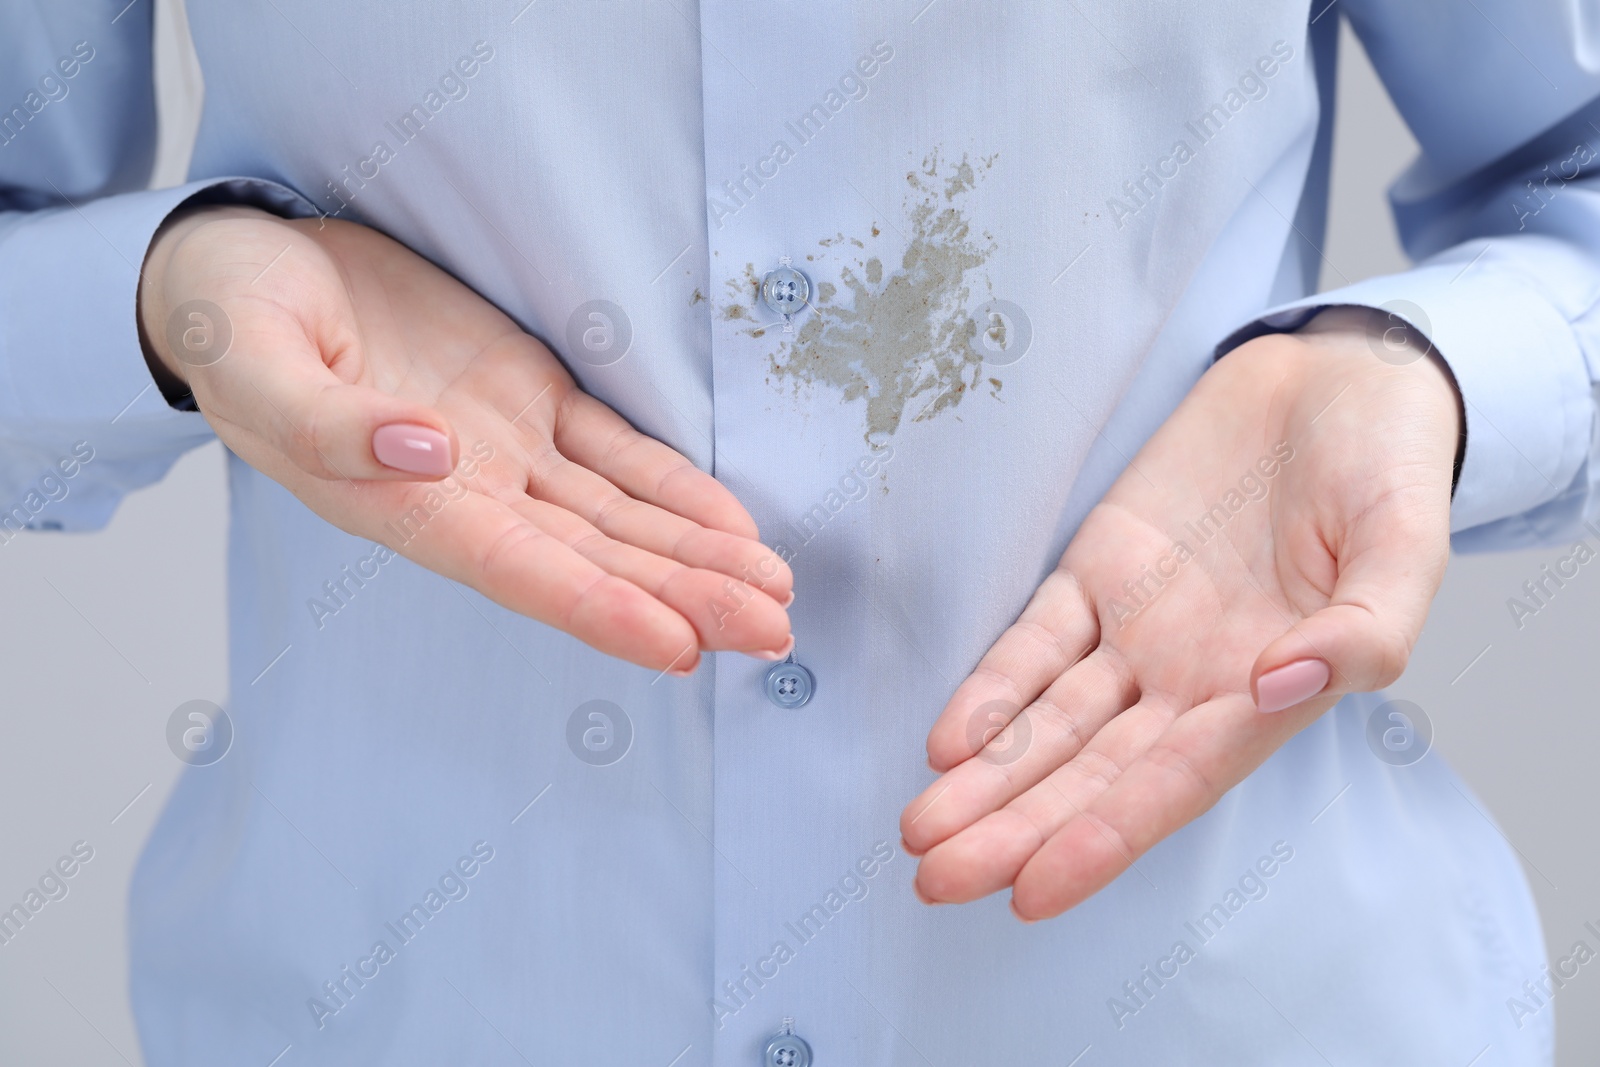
996 332
696 297
908 340
741 292
875 230
959 182
826 292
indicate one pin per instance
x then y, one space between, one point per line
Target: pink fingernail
920 895
404 446
775 655
1020 917
786 603
1286 686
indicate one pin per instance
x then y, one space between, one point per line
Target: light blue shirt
1029 228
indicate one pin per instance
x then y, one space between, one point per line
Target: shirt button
785 291
789 685
787 1050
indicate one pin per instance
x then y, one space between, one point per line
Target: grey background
107 633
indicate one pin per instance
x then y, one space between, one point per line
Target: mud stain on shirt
905 341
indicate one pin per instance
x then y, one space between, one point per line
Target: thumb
1389 570
278 386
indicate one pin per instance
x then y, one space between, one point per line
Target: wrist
155 309
1366 336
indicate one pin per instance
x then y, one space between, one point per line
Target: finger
621 517
1362 640
483 543
274 382
590 433
1204 753
725 613
1022 753
987 856
1053 632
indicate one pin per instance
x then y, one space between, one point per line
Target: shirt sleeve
81 420
1501 213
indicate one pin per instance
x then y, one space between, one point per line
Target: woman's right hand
355 371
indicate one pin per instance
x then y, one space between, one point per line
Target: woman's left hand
1273 547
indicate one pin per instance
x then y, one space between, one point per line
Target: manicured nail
786 603
1012 904
924 897
683 672
766 654
1286 686
404 446
907 849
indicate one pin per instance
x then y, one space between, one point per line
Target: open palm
1292 513
531 491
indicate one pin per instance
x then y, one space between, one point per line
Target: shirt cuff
1522 375
72 370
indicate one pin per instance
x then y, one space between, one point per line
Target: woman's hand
1274 546
359 376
